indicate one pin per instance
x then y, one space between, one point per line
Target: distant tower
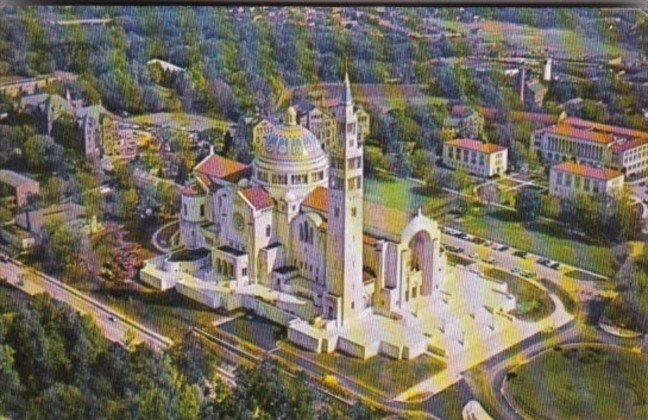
522 80
547 70
344 298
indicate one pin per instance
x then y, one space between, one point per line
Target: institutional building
475 157
567 180
593 144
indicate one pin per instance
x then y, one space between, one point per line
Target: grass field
400 193
543 238
583 383
180 120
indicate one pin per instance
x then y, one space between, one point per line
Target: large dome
290 161
290 142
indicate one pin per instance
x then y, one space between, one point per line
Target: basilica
291 238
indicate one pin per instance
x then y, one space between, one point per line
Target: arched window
301 232
310 235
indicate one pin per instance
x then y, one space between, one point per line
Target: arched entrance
422 257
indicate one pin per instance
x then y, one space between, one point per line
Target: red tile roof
563 129
611 129
604 174
317 199
218 167
258 197
476 145
628 145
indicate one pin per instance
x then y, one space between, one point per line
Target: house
19 188
463 122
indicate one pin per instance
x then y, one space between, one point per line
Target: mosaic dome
291 142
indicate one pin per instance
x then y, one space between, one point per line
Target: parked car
4 258
490 260
503 248
479 241
474 256
515 270
555 266
527 274
520 254
544 261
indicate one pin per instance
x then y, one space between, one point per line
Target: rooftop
258 197
14 179
611 129
565 129
215 166
379 221
628 145
476 145
574 168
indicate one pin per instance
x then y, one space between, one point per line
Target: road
112 324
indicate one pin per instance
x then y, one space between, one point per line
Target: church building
291 238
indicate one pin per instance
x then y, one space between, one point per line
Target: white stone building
291 238
476 157
593 144
569 179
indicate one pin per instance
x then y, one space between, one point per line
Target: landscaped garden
582 383
532 303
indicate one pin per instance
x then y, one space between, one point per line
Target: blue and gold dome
291 142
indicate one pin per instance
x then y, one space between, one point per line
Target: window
184 208
202 210
352 305
337 212
268 231
244 272
354 211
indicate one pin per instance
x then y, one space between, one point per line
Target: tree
61 244
35 151
128 202
52 191
528 204
11 394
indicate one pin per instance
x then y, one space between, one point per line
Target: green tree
128 202
52 191
528 204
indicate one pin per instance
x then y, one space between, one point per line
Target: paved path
155 238
508 337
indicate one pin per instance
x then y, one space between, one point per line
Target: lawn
583 383
381 374
401 193
541 237
532 303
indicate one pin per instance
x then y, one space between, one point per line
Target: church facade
291 238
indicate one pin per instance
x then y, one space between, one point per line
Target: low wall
304 341
157 278
206 297
391 350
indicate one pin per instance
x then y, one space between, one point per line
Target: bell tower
344 285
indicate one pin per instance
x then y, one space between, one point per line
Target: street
112 324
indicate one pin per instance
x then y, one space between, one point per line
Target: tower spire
347 98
